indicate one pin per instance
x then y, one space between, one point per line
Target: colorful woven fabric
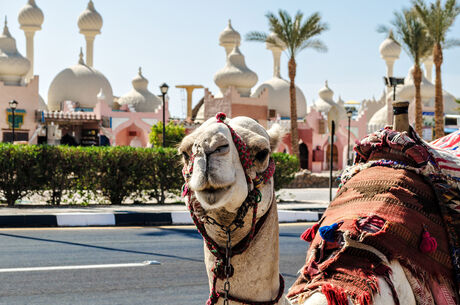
394 188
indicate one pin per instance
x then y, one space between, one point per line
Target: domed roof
236 74
13 66
41 103
279 97
274 42
389 48
326 104
325 101
378 120
229 36
407 91
79 83
90 20
30 16
140 97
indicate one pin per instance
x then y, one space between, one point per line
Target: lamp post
164 89
13 105
349 114
331 161
393 82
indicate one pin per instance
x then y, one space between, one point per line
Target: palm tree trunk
417 74
294 130
438 102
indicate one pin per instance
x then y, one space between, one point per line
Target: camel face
218 178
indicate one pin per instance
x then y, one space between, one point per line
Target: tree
174 134
438 20
412 35
294 34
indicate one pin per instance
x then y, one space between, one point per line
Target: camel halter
222 267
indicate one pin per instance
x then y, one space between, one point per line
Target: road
179 279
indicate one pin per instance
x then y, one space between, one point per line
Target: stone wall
306 179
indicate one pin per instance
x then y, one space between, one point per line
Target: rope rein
223 268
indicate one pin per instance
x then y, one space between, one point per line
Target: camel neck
256 270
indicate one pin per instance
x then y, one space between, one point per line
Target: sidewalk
290 209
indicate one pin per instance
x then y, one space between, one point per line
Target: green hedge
90 173
86 173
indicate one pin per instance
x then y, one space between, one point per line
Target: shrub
20 171
174 134
286 166
164 174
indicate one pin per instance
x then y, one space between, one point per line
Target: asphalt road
179 279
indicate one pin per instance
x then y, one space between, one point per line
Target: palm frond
450 43
315 44
256 36
383 29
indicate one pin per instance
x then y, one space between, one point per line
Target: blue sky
177 42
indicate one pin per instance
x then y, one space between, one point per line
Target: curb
129 219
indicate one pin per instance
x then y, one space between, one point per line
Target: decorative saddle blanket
398 201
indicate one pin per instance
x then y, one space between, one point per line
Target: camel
229 185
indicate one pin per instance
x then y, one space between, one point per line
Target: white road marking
102 266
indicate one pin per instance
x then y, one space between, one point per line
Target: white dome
229 36
279 97
41 103
325 101
90 20
140 97
78 83
13 66
389 48
236 74
407 91
278 43
378 120
30 16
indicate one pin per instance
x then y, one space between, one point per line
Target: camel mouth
214 190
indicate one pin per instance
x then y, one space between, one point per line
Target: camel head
216 175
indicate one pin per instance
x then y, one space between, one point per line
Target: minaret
229 38
30 18
389 51
277 47
90 24
428 63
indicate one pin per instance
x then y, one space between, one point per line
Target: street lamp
393 82
164 89
13 105
331 161
349 114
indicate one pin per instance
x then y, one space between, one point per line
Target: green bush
116 173
174 134
286 166
20 171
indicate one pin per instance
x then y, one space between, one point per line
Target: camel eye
262 155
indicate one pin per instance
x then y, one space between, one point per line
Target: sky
176 42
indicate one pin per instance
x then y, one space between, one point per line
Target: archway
132 132
303 153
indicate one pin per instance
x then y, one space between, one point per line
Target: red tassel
428 243
310 233
334 295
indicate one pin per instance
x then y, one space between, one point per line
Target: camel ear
275 133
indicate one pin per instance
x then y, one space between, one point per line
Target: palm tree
438 20
412 35
294 34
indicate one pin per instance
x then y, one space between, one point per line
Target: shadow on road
99 247
191 233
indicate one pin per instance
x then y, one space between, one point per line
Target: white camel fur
219 184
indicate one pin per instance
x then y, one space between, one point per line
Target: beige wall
28 100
